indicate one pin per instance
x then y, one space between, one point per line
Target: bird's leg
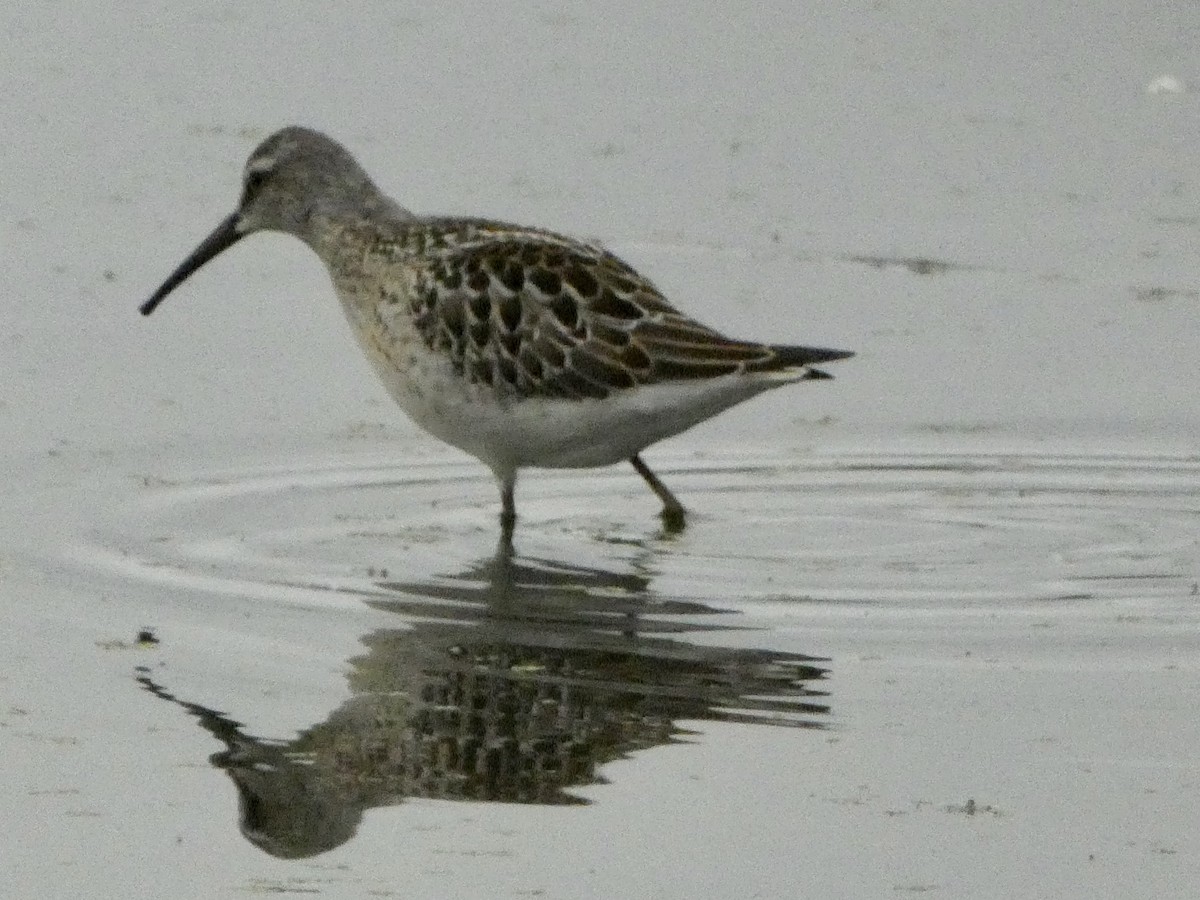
508 508
673 513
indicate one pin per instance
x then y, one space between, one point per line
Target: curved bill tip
223 237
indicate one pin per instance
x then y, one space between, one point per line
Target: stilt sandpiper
523 347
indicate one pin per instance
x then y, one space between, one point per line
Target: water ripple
515 676
898 531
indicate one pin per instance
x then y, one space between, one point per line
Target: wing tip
788 356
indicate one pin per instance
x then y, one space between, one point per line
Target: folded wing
535 314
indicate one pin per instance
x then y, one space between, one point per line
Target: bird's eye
254 181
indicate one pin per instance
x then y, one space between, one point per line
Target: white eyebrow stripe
262 164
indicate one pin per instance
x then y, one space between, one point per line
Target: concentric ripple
903 531
516 674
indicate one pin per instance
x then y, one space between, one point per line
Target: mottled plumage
536 314
521 346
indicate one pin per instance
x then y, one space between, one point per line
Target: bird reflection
513 681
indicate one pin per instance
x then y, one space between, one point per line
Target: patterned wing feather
532 313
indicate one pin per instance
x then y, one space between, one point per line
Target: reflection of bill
519 679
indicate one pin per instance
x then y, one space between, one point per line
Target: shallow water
1012 532
488 673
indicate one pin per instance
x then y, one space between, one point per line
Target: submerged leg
673 514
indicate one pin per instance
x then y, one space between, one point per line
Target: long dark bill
223 237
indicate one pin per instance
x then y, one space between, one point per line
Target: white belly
508 433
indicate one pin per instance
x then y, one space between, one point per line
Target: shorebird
521 346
